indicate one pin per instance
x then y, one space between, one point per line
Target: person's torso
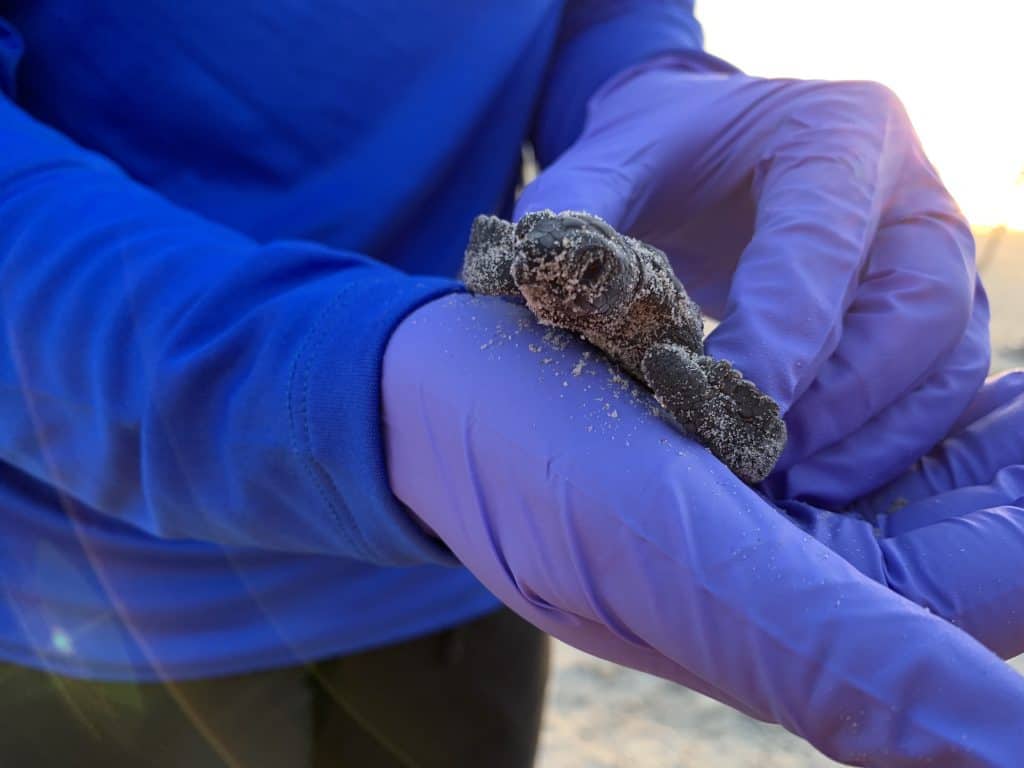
381 127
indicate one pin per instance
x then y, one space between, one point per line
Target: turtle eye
598 224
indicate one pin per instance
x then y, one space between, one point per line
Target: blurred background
958 69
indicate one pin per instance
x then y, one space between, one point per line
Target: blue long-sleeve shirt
212 215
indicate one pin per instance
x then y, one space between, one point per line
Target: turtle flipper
730 415
487 267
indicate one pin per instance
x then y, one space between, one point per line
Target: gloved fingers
820 189
607 171
848 535
1006 486
616 171
997 392
886 446
970 456
646 165
961 565
631 526
967 569
580 181
910 310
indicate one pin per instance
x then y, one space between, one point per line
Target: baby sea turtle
577 273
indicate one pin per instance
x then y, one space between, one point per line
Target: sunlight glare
956 66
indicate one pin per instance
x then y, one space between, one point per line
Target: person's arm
555 482
182 378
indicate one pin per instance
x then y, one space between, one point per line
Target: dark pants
469 696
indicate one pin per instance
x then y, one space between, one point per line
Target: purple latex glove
806 217
948 534
555 481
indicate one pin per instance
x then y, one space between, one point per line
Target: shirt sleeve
182 378
596 40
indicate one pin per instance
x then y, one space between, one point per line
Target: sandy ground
601 715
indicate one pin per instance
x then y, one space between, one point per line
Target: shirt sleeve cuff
336 417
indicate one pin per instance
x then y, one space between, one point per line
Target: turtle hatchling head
570 266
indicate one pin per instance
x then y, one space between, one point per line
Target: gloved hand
805 216
554 480
947 534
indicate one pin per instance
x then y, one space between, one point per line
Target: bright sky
957 65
